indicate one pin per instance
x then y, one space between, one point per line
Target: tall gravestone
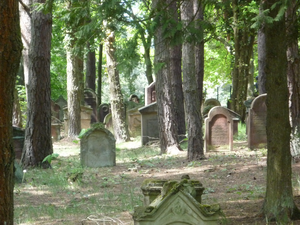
98 147
256 124
218 129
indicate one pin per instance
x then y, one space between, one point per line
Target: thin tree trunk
90 82
116 98
38 143
261 50
293 75
10 48
279 204
191 90
176 78
99 86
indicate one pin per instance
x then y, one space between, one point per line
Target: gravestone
62 104
256 124
150 130
208 104
98 147
150 94
218 129
104 109
134 122
175 203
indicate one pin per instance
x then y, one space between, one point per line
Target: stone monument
218 129
98 147
256 124
172 202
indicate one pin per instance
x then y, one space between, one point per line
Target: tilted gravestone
172 202
98 147
218 129
256 124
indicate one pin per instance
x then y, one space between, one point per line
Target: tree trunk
74 77
90 82
261 50
75 83
147 57
99 81
168 126
10 48
38 143
176 78
116 98
243 45
25 13
191 90
17 113
293 75
279 204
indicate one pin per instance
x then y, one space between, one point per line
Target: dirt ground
234 179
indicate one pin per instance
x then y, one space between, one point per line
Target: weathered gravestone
172 202
218 129
134 122
150 130
256 124
104 109
98 147
55 128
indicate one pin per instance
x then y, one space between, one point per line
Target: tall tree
38 143
10 53
175 70
293 74
279 204
243 47
74 68
168 127
190 86
121 132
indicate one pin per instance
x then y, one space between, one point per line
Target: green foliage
49 158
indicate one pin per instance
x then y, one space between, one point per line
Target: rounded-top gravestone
98 147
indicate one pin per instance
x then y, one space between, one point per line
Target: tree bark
38 143
116 98
99 82
279 204
293 75
10 48
176 78
168 126
75 83
90 82
261 50
243 45
191 89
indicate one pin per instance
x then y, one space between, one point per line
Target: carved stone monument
256 124
172 202
98 147
218 129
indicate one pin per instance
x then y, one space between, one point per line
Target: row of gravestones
221 125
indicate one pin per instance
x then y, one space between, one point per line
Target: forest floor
70 194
